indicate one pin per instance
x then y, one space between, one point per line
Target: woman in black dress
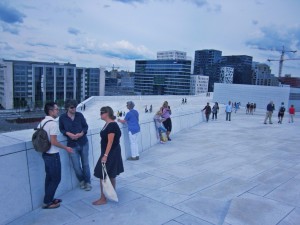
110 151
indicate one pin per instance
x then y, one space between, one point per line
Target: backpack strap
44 124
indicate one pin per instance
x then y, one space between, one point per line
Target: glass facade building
206 63
34 83
162 77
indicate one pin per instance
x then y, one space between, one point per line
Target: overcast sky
95 33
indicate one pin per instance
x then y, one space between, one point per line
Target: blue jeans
80 161
228 116
53 175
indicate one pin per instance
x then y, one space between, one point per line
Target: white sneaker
82 185
88 187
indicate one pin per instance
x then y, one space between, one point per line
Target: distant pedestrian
166 114
215 110
182 102
254 106
150 109
51 157
83 107
132 120
121 114
281 113
228 110
251 108
207 111
185 101
270 109
146 109
292 113
248 108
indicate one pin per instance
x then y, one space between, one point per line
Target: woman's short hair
109 111
130 104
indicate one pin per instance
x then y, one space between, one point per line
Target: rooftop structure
210 173
171 55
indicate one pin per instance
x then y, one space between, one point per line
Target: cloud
125 50
274 37
120 49
41 44
10 28
4 46
130 1
10 15
73 31
198 3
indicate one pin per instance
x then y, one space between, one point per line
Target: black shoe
132 158
265 123
137 158
169 139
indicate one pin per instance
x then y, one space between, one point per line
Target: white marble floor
232 173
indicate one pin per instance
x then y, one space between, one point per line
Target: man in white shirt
51 157
228 111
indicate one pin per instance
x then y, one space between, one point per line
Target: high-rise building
206 63
162 77
261 75
171 55
199 84
242 65
31 84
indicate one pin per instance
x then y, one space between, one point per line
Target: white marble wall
22 168
261 95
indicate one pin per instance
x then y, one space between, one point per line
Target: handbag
108 190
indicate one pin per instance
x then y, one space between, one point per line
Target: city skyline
118 32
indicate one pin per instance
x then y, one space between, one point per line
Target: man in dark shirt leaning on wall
73 125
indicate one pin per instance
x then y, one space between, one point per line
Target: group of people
150 109
215 109
72 124
120 113
281 111
250 108
184 101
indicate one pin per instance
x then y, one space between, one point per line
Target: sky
106 33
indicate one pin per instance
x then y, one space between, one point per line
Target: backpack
282 109
40 139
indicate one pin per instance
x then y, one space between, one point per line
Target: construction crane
282 59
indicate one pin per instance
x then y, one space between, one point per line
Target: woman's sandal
56 200
51 205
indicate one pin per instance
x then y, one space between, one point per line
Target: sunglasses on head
102 112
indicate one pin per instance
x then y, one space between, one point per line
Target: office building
162 77
206 63
199 84
242 65
31 84
171 55
261 75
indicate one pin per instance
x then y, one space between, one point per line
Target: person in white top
228 110
51 157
